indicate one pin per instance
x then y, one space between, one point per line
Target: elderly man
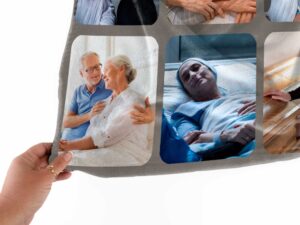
89 100
212 125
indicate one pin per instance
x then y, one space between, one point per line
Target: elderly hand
65 145
29 182
207 8
240 6
97 108
198 136
249 106
242 134
278 95
193 137
244 17
141 115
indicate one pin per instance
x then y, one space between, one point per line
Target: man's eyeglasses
92 69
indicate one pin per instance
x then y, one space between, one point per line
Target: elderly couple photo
209 103
108 121
193 12
116 12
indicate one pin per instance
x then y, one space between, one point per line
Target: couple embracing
106 115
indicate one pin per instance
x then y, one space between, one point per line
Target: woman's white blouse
114 127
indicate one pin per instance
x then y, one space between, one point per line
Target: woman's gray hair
123 60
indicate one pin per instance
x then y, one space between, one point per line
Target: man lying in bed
211 126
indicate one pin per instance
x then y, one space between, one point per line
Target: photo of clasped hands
245 9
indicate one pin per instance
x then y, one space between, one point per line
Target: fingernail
68 156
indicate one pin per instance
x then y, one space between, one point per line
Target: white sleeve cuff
98 140
217 139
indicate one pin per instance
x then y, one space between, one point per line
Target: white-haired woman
112 133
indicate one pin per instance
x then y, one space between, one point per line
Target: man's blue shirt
82 103
95 12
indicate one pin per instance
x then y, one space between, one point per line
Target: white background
33 36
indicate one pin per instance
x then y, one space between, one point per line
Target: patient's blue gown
210 116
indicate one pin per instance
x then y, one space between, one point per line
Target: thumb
221 12
279 98
61 162
147 102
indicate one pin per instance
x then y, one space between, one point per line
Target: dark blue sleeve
173 149
184 125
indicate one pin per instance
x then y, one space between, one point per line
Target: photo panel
282 10
210 12
281 120
110 101
209 99
116 12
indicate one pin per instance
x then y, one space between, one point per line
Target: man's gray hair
123 60
87 54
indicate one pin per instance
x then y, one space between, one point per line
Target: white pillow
234 78
237 78
174 95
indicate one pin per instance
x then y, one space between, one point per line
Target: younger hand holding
28 183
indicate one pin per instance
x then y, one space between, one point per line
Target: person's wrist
71 145
90 115
174 3
12 212
183 3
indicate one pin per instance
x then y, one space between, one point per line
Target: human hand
28 183
207 8
249 106
65 145
241 134
97 108
244 17
278 95
141 115
194 137
240 6
297 18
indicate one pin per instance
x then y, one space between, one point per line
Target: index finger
272 92
100 103
147 102
40 150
